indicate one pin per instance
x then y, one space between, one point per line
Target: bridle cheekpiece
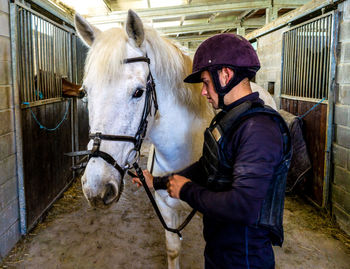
151 99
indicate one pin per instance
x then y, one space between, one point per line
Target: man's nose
204 92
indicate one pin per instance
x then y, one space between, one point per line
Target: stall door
308 69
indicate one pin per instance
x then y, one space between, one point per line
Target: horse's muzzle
110 195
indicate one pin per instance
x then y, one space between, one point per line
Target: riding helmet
221 50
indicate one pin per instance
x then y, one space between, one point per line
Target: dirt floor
129 235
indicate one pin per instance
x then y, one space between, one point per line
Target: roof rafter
246 14
213 16
195 28
182 10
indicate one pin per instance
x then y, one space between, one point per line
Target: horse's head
117 92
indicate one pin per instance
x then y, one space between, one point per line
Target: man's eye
138 93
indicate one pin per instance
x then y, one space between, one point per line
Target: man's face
208 89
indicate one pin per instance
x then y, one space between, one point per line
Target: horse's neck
177 134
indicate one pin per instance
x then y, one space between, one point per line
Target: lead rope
307 112
154 204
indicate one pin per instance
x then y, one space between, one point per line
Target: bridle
151 99
95 152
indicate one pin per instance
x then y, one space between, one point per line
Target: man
238 184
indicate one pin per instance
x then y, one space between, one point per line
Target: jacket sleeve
195 172
257 150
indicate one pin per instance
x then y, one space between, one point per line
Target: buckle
97 142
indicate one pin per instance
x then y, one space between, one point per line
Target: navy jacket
232 239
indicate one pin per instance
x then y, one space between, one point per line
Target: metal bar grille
81 54
45 56
306 59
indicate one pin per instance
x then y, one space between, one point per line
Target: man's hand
148 177
175 185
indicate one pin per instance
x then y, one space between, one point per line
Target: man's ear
225 75
228 74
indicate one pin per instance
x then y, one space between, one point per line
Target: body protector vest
219 168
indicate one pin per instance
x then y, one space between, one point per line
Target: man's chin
215 106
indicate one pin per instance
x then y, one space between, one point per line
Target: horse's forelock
104 60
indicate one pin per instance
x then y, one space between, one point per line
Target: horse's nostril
110 194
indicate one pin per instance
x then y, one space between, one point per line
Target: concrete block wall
9 212
269 49
340 198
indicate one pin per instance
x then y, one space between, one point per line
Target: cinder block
5 97
9 216
271 75
340 213
8 192
345 52
340 156
5 48
344 33
261 42
5 73
9 239
7 145
4 6
277 60
6 121
342 178
344 94
342 218
341 197
346 10
278 34
5 24
342 136
343 71
7 168
262 76
341 115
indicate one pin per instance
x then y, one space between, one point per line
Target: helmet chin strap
223 90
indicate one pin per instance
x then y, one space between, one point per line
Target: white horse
115 107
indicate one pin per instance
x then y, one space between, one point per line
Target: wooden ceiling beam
192 38
289 3
182 10
246 14
213 16
200 28
182 20
108 6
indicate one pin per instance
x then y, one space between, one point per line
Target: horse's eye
138 93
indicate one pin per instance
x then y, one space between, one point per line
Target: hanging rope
307 112
44 127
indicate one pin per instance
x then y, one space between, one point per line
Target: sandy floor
129 235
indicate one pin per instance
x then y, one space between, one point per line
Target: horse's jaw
177 136
102 186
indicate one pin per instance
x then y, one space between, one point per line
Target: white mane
172 65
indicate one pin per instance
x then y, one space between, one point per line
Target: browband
137 59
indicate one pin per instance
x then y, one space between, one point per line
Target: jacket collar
253 97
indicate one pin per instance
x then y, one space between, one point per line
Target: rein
151 99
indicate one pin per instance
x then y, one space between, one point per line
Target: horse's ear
134 27
85 30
